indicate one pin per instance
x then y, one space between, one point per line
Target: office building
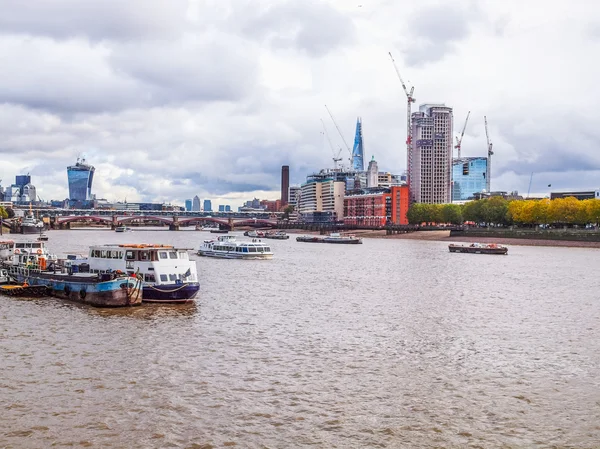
358 151
430 159
188 205
80 177
294 196
378 206
224 208
21 192
468 177
207 206
285 184
196 204
581 195
321 199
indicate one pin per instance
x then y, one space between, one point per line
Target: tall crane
336 156
459 140
490 153
341 135
410 99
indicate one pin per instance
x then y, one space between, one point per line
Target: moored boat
226 247
30 225
334 237
167 273
43 238
277 235
122 228
33 265
478 248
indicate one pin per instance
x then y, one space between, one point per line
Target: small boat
167 273
334 237
209 228
277 235
309 239
478 248
43 238
226 247
218 231
255 234
31 263
122 229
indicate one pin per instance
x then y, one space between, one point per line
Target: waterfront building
430 158
581 195
468 177
321 199
80 177
285 184
188 205
196 204
207 206
224 208
271 206
358 151
372 173
294 196
377 206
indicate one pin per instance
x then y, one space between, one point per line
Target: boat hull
235 255
477 250
170 293
32 229
343 241
124 291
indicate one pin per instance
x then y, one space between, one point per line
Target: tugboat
478 248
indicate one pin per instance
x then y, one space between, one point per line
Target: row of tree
498 211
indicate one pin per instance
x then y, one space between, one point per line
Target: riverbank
444 236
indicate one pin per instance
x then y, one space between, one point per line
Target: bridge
174 222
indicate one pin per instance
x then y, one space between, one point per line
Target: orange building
376 206
271 206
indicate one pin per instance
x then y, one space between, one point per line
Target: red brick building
377 206
271 206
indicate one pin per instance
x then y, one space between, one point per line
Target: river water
389 344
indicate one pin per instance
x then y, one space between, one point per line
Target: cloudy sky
171 99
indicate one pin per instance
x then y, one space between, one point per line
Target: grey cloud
311 26
435 30
95 20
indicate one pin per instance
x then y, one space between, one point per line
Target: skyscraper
196 204
285 185
358 151
80 177
431 154
207 206
188 205
468 177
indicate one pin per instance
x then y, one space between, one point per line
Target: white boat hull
235 255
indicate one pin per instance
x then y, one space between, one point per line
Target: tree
495 210
415 213
565 210
592 208
471 211
452 213
10 212
3 213
287 210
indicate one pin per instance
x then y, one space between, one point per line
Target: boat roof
145 246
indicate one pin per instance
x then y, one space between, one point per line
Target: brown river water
389 344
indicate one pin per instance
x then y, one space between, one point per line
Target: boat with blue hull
167 273
31 264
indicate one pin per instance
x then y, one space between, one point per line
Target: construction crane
410 100
336 156
490 153
459 140
341 135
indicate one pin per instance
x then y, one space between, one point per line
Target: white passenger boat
168 275
226 247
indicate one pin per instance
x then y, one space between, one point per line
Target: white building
322 199
372 173
196 204
294 196
430 159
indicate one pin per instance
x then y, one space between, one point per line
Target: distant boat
277 235
122 229
334 237
479 248
30 225
43 238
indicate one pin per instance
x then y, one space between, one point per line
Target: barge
478 248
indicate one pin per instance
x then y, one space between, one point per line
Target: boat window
163 277
260 249
144 255
149 278
172 277
245 250
172 255
129 255
252 249
267 249
183 255
103 254
163 255
114 255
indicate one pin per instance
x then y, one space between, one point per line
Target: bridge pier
175 225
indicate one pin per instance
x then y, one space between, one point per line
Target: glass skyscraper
468 177
80 178
207 206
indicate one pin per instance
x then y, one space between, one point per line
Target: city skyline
166 132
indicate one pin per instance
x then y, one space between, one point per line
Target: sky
169 100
